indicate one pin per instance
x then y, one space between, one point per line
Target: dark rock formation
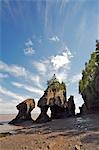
24 113
83 109
55 98
43 117
89 85
71 106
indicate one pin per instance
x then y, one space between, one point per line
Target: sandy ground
79 133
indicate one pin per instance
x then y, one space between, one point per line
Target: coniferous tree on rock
89 84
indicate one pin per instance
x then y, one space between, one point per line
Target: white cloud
62 76
29 43
41 66
29 51
54 39
17 84
36 79
11 94
13 69
76 78
59 61
59 64
19 71
9 99
62 61
29 88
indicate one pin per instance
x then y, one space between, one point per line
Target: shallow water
8 128
5 127
80 123
82 120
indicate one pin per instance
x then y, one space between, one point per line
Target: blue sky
40 38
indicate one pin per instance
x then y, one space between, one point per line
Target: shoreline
61 134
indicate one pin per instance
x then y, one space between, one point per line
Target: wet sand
5 127
79 133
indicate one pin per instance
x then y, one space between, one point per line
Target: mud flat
79 133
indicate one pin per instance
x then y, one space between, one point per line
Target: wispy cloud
81 27
41 66
47 6
20 72
28 88
13 69
11 94
9 100
28 50
54 39
62 5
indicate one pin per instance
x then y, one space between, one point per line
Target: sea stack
24 113
54 97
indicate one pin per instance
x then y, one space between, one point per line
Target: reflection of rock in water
1 123
24 113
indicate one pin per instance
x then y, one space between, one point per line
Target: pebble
48 147
78 147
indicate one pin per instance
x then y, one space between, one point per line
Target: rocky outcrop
43 117
89 85
71 106
55 98
83 110
24 113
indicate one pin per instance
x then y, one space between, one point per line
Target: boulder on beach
24 113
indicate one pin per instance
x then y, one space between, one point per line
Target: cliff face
89 84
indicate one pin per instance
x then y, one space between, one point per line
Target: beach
5 127
78 133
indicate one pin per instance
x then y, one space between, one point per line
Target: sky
39 38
